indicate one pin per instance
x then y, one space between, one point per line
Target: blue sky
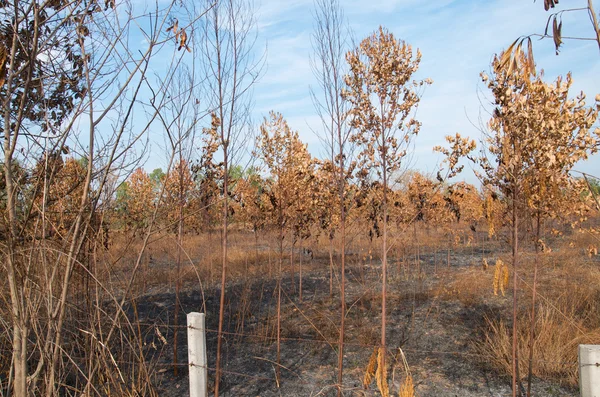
458 40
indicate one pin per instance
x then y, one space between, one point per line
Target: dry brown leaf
370 370
182 40
381 374
549 4
530 60
3 56
174 28
556 33
507 55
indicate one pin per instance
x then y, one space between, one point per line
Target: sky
458 39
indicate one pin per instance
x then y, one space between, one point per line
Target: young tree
207 175
538 135
227 45
290 168
330 41
140 200
180 118
382 97
157 177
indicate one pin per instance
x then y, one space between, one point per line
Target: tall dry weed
501 277
407 387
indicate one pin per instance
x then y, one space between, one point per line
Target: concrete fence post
589 370
197 355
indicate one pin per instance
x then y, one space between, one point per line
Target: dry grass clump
470 286
407 387
557 335
370 369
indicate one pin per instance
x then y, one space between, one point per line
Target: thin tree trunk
448 249
483 239
178 273
515 247
300 271
384 261
223 268
292 265
19 331
435 258
255 247
330 267
279 279
19 334
533 296
342 286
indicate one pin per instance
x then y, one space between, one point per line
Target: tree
180 118
179 187
139 200
157 176
537 135
250 199
330 41
207 175
289 165
382 97
227 45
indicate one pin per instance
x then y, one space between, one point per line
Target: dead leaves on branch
516 57
109 4
181 36
538 133
292 170
556 31
509 58
459 148
550 4
382 98
174 27
183 41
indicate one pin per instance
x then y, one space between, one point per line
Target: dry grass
555 348
200 259
407 388
568 296
471 286
370 369
567 314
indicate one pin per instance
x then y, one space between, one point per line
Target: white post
589 370
197 355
